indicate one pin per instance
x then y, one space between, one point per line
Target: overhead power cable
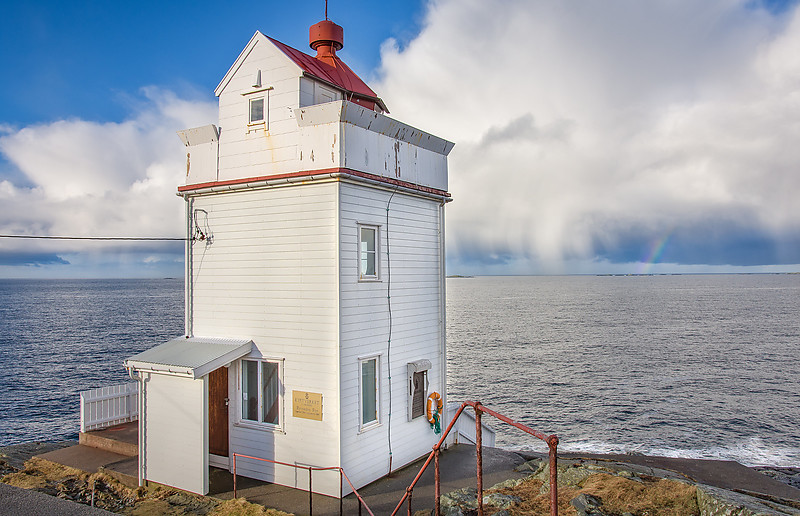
48 237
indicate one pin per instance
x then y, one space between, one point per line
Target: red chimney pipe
326 38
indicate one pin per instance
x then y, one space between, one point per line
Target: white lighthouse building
315 283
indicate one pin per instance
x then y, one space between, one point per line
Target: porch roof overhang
190 357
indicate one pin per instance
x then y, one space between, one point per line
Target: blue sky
627 137
96 55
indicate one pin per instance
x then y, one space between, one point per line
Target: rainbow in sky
654 255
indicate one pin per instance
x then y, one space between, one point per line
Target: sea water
704 366
59 337
688 366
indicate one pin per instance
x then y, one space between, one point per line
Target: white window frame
377 275
362 426
265 114
258 424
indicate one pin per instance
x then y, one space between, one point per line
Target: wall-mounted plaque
307 405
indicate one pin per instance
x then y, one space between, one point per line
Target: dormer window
257 110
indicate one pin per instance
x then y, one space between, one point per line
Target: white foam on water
752 451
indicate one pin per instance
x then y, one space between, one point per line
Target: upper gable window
257 110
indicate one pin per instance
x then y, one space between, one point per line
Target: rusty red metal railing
551 440
310 469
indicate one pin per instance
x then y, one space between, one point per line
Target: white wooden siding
248 151
270 275
282 268
413 238
176 432
201 165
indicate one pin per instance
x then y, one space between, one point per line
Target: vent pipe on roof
326 38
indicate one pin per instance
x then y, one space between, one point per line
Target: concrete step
104 443
91 459
122 439
124 470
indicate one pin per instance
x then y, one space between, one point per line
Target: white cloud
99 179
593 130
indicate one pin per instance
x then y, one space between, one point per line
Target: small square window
257 110
368 253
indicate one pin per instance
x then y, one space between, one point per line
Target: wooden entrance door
218 412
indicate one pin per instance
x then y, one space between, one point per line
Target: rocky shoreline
586 487
789 476
597 488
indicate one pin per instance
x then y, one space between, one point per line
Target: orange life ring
435 396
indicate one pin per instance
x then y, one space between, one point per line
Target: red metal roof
338 74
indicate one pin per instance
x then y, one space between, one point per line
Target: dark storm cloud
588 132
30 258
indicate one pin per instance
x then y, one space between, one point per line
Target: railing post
437 481
234 475
410 493
479 455
341 496
552 442
83 412
310 495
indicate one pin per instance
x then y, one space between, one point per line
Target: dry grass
652 497
241 507
110 494
24 480
38 473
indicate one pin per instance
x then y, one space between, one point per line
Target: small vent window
418 388
418 398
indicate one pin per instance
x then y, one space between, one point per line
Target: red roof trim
339 75
310 174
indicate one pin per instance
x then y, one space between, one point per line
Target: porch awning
192 357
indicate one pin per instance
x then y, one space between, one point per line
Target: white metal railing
109 406
464 429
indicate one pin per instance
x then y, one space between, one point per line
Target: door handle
227 401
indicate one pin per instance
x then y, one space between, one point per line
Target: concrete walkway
458 470
91 460
112 450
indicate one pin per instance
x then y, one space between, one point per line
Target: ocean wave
751 451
